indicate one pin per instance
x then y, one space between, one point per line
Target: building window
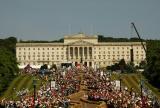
19 48
99 56
48 48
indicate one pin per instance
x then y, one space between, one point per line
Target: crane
139 36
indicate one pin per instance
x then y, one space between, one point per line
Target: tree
122 65
8 64
130 68
142 64
8 68
45 66
152 70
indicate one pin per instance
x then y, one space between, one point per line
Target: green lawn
22 81
133 80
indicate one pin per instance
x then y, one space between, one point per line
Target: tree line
8 63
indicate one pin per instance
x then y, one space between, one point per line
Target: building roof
81 36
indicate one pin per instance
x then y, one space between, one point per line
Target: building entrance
85 63
75 63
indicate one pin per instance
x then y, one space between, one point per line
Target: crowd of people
102 88
66 81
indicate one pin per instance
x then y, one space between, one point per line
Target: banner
117 82
53 84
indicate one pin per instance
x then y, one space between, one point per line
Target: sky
53 19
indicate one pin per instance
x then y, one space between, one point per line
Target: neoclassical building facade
79 48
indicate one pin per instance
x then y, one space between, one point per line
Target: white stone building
79 48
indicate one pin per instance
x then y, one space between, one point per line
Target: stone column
78 52
83 53
91 52
73 52
68 53
88 57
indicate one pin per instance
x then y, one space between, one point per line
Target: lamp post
34 85
120 79
14 89
120 83
141 86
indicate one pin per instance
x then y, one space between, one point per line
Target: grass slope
133 81
19 83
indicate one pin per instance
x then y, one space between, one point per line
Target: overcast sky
52 19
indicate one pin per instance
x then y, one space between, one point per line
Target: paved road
77 96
